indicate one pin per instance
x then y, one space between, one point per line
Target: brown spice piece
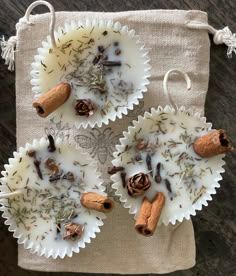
111 63
91 40
27 228
144 214
138 184
200 193
149 163
51 146
158 174
52 166
114 169
53 99
96 59
147 146
168 185
84 107
138 158
141 144
105 57
67 176
97 202
58 225
213 143
123 178
117 52
70 176
31 153
37 166
101 49
73 231
149 215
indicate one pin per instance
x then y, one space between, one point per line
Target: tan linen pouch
118 248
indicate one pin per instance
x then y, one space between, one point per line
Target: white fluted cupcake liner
31 216
78 44
187 180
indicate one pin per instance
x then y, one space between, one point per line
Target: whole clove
158 173
37 166
114 169
149 163
168 185
123 179
111 63
51 146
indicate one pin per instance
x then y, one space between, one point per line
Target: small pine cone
138 184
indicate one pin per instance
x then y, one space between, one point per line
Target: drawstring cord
53 18
8 51
8 47
224 36
165 84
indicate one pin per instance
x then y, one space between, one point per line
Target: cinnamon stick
144 214
213 143
97 202
149 215
53 99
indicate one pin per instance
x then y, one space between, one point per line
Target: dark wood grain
215 227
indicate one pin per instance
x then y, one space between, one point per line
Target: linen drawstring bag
176 39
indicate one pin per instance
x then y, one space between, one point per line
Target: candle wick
8 195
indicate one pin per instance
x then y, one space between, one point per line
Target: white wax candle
168 139
38 215
78 60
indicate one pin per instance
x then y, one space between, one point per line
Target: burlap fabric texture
118 248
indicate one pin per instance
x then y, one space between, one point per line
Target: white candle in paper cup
160 144
105 64
48 202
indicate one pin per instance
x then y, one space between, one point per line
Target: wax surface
78 60
176 170
39 214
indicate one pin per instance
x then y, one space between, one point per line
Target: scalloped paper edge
202 201
21 239
89 23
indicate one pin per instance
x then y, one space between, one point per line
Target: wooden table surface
215 226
